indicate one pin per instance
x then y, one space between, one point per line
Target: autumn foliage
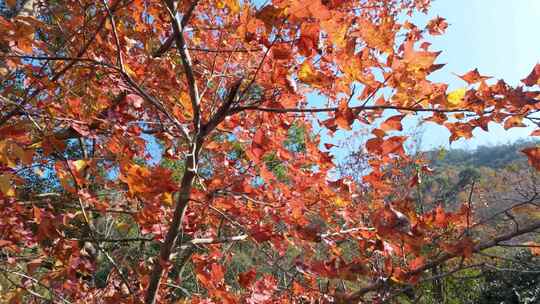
88 87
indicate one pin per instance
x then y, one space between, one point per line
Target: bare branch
181 45
35 281
357 108
222 111
156 103
61 58
119 59
359 294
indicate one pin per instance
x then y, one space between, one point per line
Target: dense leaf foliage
148 150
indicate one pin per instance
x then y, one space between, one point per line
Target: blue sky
495 36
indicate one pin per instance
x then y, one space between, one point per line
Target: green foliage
515 281
176 166
274 164
296 141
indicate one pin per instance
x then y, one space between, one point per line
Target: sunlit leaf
455 98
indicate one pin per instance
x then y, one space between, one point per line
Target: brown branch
346 231
119 240
184 193
357 108
70 132
223 110
60 58
495 268
156 103
168 44
181 45
359 294
62 71
174 226
433 278
224 50
195 241
164 48
119 59
518 245
192 158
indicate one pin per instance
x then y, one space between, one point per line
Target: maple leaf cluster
94 93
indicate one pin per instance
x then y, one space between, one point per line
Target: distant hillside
495 157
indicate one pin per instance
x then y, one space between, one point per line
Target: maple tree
501 193
222 85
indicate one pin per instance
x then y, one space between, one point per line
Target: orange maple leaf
392 123
534 77
473 77
437 26
533 154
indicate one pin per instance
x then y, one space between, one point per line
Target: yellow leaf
336 31
185 101
5 186
10 152
35 145
79 164
123 227
455 98
136 177
167 198
341 202
3 152
129 71
233 5
7 152
64 177
307 74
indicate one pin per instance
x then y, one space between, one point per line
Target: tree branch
223 110
153 101
211 241
63 70
184 193
357 108
178 34
174 226
359 294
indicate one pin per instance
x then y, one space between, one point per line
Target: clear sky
495 36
